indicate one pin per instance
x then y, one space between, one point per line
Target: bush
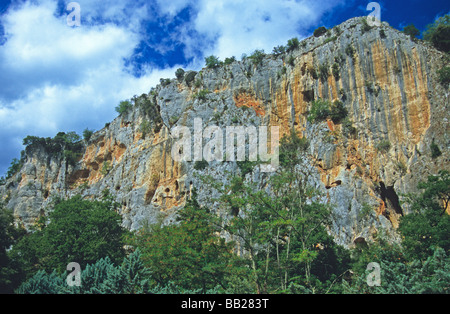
365 26
87 134
383 146
292 44
200 164
323 72
212 62
336 71
201 95
444 75
257 57
411 30
320 110
229 60
320 31
438 33
179 74
338 111
435 151
278 50
350 51
124 106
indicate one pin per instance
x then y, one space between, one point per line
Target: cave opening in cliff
390 198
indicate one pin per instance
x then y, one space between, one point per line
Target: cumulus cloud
59 78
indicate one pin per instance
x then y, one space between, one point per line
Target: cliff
386 81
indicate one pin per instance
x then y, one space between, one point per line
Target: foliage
282 230
292 44
123 107
411 30
338 111
9 234
257 57
336 71
201 95
87 134
323 72
14 167
279 50
438 33
196 258
67 145
229 60
429 224
320 110
435 151
212 62
102 277
383 146
365 26
350 51
320 31
76 230
179 73
444 75
200 164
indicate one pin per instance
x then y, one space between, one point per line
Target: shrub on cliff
320 31
123 107
438 33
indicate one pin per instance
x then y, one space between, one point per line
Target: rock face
386 81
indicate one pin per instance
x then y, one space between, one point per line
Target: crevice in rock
390 198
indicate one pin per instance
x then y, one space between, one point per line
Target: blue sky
59 78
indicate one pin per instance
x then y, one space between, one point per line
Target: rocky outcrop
386 81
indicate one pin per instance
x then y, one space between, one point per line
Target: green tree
131 277
87 134
438 33
282 228
320 31
188 254
123 107
292 44
411 30
428 226
76 230
9 234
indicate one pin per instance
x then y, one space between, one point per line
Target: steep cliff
386 81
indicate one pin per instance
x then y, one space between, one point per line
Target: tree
320 31
438 33
76 230
196 257
179 73
9 274
87 134
281 229
428 226
131 277
411 30
292 44
123 107
212 62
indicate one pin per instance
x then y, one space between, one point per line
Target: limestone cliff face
386 81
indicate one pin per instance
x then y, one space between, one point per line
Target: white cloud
233 27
